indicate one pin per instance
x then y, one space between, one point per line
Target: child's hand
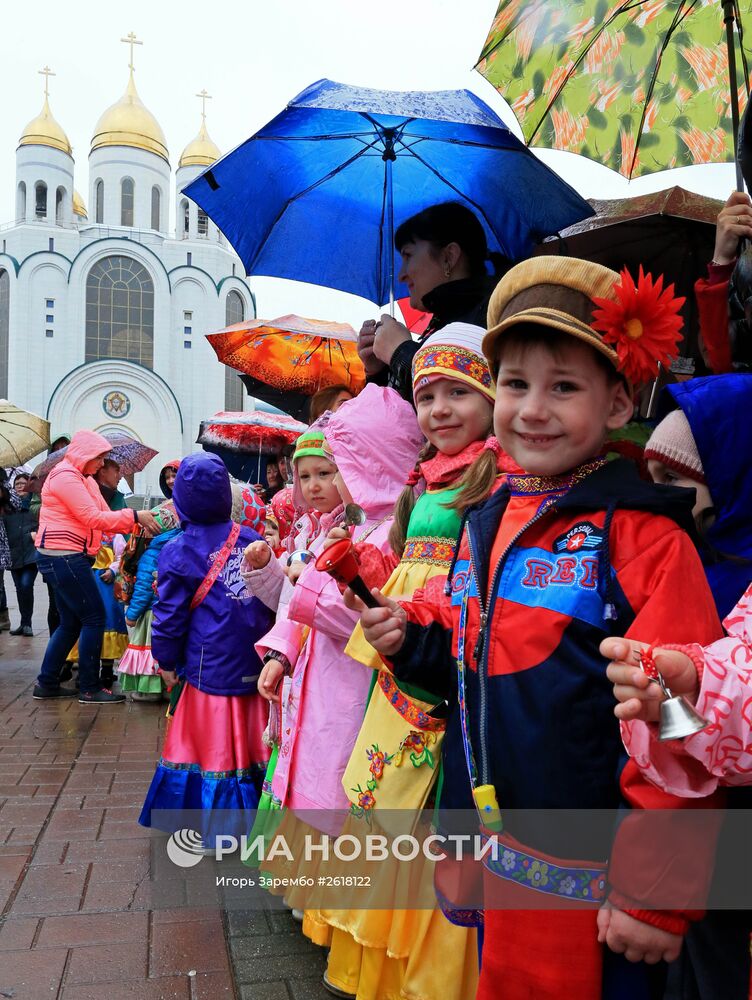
384 627
293 571
335 535
130 622
638 942
638 697
269 680
257 554
169 677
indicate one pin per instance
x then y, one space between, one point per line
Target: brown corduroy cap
556 292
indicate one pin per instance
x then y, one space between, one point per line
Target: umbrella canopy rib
300 194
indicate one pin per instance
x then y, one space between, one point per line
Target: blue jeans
81 617
24 579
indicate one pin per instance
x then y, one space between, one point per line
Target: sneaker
43 693
22 630
103 697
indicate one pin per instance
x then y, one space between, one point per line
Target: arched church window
4 331
156 207
126 202
186 217
203 223
21 202
99 202
120 311
234 313
59 196
40 199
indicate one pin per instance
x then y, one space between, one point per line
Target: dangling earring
447 270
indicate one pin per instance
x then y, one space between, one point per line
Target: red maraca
339 561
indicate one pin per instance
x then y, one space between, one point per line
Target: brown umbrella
670 232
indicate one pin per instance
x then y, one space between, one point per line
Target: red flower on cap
642 325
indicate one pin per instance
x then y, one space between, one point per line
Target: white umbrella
22 434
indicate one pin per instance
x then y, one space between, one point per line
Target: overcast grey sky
252 57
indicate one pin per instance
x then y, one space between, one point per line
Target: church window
187 345
120 311
59 195
49 333
49 318
187 331
186 217
156 207
126 202
99 201
188 315
234 313
40 201
21 204
4 331
49 303
203 223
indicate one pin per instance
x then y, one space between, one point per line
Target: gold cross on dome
130 39
46 73
205 96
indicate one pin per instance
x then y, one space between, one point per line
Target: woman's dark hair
450 222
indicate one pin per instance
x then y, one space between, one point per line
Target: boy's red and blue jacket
547 569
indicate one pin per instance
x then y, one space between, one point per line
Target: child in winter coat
459 466
574 548
204 628
139 671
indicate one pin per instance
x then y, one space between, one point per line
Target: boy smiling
574 549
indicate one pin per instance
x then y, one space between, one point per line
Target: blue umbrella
314 194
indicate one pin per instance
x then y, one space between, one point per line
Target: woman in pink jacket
74 514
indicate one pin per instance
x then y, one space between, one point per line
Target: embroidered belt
433 551
407 708
587 885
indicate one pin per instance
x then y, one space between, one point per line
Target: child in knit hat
559 557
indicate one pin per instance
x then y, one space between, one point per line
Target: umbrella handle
729 19
390 230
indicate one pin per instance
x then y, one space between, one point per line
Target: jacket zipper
480 652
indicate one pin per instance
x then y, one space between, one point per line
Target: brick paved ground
76 918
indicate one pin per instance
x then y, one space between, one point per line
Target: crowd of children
510 556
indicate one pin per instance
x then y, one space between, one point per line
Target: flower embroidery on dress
431 551
409 711
586 884
378 761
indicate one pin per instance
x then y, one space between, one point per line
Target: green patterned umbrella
638 85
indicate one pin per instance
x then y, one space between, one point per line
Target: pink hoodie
375 440
74 513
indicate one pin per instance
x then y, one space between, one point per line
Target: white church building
103 311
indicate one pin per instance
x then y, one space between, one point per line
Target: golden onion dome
45 131
128 122
201 151
79 208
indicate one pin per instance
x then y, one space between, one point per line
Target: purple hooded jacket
212 647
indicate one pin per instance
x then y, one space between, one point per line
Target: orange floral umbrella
293 354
